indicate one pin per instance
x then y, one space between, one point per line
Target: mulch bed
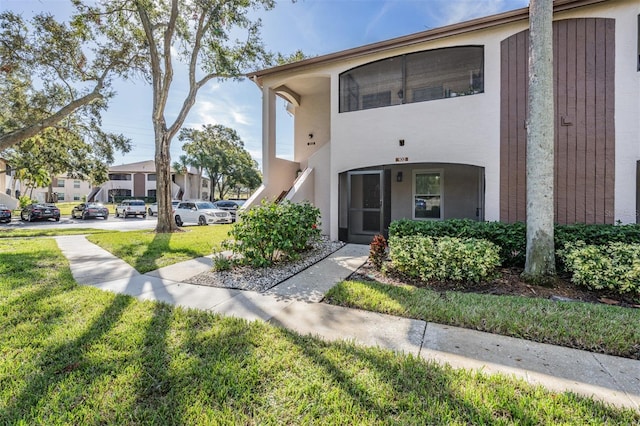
509 283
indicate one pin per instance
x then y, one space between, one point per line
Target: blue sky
316 27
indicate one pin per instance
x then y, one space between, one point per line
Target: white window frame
413 192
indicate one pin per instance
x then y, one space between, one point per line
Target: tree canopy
220 152
55 75
57 151
212 39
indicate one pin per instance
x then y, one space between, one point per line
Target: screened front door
365 205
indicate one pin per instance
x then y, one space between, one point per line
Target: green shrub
444 258
512 237
509 237
615 266
25 200
598 234
272 231
222 262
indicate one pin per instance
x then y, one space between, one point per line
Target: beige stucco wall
70 192
461 190
463 130
313 117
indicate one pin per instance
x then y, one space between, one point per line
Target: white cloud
222 110
371 26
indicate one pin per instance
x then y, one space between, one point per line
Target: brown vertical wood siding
584 68
139 184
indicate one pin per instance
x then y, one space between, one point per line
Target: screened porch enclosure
415 77
370 199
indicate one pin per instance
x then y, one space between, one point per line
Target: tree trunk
166 222
540 261
49 197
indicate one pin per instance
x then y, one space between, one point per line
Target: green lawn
49 232
77 355
147 251
597 328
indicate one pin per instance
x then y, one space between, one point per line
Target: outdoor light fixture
399 177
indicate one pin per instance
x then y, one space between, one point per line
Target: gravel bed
262 279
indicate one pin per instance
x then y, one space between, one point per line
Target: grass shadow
538 320
416 391
56 361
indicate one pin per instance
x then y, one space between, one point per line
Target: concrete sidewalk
294 304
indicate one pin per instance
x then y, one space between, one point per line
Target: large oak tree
211 39
56 74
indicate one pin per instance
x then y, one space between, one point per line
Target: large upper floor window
415 77
119 176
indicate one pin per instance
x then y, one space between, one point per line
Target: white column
268 132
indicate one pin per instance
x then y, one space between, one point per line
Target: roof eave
428 35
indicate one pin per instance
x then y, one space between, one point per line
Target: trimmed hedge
511 237
615 266
445 258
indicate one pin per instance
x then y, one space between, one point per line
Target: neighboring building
431 126
64 189
139 180
127 180
6 194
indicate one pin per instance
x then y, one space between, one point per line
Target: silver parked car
200 212
228 205
153 208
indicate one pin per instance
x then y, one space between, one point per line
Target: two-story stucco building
125 181
139 180
432 125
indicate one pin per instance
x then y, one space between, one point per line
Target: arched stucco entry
371 198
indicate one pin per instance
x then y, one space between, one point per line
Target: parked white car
131 208
200 212
153 208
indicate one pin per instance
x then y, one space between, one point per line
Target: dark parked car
87 210
5 214
228 205
38 211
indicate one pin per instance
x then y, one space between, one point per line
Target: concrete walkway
294 304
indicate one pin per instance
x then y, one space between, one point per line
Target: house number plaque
402 159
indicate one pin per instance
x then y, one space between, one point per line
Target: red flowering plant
378 250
